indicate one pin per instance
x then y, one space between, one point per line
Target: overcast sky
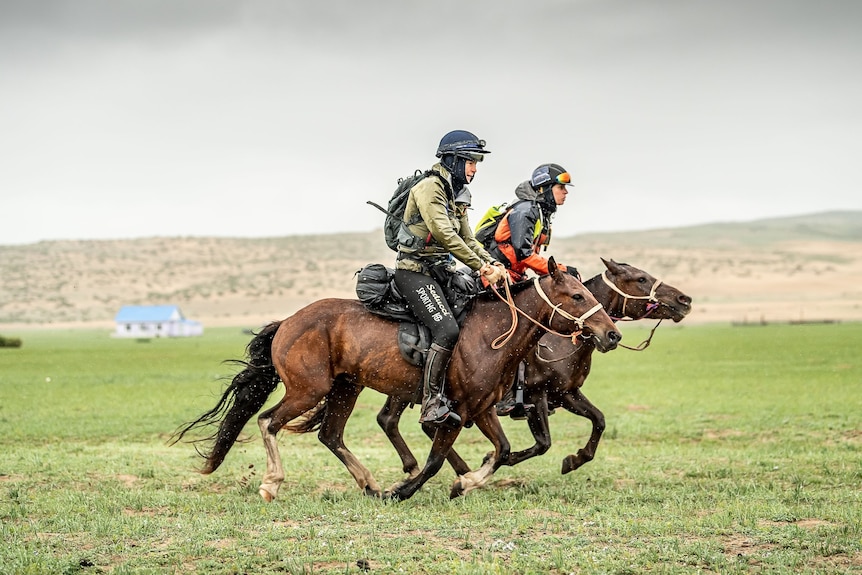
123 119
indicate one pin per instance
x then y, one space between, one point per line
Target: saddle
376 289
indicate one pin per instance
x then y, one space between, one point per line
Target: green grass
728 450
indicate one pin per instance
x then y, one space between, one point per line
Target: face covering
456 167
547 202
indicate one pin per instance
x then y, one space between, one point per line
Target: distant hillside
826 226
784 268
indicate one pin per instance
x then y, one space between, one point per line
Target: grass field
728 450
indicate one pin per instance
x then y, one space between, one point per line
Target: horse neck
494 318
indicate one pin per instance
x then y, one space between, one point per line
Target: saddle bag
377 292
376 289
372 285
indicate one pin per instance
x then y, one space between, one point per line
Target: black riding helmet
455 149
542 181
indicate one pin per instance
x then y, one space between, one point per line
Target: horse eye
642 280
577 297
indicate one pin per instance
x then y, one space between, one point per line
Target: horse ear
552 266
612 266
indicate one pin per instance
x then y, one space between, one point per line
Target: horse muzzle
608 342
680 308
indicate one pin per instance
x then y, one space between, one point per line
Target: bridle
504 338
652 304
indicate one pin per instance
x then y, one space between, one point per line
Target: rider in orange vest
526 226
520 235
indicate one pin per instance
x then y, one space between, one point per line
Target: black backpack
398 203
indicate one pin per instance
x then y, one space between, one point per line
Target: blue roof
132 313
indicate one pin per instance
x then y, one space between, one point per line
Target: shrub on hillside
10 341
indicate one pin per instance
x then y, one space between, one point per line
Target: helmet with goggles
550 174
462 144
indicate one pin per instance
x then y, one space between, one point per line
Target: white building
154 321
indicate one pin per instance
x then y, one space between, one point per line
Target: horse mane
515 288
597 277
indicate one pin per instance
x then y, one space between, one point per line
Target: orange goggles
564 178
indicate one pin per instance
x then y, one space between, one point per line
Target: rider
520 235
526 226
434 228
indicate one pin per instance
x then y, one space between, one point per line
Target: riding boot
435 406
507 403
512 403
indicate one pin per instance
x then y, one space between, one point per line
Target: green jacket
444 223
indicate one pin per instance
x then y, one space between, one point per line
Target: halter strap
579 321
626 297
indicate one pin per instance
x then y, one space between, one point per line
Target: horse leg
458 464
489 424
270 423
388 419
443 440
578 404
274 475
537 420
331 435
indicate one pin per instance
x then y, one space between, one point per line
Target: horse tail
245 396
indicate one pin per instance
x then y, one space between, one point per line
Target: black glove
573 271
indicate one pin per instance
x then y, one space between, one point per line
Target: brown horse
557 369
329 351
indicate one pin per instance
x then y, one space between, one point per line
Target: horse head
642 295
575 309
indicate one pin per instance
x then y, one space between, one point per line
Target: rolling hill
782 269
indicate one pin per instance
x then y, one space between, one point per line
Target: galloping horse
556 371
333 348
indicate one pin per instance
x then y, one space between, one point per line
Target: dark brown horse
557 369
329 351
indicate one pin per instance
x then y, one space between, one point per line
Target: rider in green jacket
434 234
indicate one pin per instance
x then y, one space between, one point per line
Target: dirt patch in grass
288 524
459 546
718 434
128 480
510 483
635 407
804 523
745 548
853 436
222 543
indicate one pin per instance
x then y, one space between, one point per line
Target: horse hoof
371 492
457 490
266 495
392 495
570 463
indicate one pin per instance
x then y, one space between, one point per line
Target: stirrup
444 416
449 419
519 410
